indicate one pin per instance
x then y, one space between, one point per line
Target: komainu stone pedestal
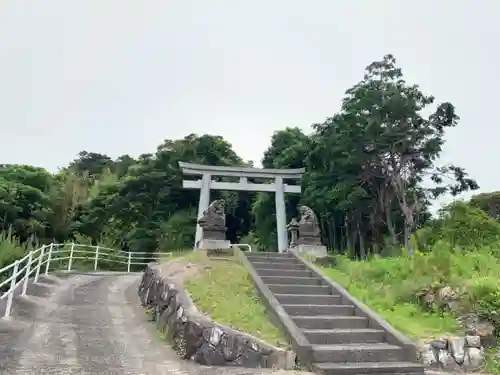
217 248
214 237
314 251
214 244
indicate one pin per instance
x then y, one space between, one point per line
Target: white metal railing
54 256
243 245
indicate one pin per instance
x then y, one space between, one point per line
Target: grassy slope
389 286
225 291
405 317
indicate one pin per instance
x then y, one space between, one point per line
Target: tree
488 202
69 195
135 208
382 133
288 149
122 164
25 205
91 164
461 225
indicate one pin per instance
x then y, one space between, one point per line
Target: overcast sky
119 76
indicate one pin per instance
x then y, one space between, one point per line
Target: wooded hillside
371 175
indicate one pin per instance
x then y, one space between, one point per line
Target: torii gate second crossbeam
205 184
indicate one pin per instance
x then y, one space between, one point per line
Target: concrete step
345 353
264 255
291 280
308 299
274 260
315 310
330 322
283 272
359 368
341 343
299 289
344 336
262 264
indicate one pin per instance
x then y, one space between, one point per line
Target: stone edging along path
195 336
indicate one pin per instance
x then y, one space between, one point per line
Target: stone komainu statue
307 216
213 221
309 233
214 216
216 209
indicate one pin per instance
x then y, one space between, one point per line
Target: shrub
484 298
462 226
10 249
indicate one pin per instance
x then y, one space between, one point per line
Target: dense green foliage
371 176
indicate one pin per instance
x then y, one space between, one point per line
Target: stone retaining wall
196 337
455 354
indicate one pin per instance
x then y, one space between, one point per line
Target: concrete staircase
330 331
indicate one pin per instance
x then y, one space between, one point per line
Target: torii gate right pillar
281 231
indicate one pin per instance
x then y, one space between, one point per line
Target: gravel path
92 324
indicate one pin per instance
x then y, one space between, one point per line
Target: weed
391 286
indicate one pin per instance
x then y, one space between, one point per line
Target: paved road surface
92 324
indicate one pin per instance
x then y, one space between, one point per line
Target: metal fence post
70 262
10 297
51 246
96 257
129 261
40 259
27 274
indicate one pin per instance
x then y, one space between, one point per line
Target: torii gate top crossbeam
199 169
278 186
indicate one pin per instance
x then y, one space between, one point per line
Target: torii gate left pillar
205 184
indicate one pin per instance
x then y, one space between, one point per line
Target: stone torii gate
205 184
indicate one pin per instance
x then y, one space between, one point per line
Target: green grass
390 287
225 291
406 317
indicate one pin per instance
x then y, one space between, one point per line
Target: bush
10 249
178 231
462 226
483 295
